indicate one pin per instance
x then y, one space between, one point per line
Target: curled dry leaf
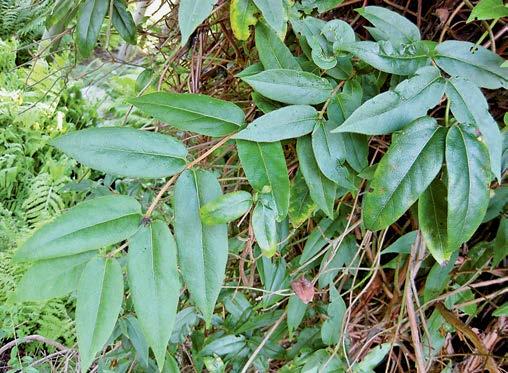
304 289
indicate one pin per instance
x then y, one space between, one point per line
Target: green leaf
488 9
319 237
330 154
61 10
383 55
469 106
501 310
154 284
273 13
272 51
392 110
284 123
373 358
265 167
301 205
226 208
191 13
131 328
264 225
405 171
498 203
321 5
296 311
124 151
88 226
52 278
500 243
432 216
99 300
332 327
291 86
438 278
123 22
264 104
389 25
90 17
344 257
242 15
202 249
228 344
322 190
402 245
472 62
467 163
355 147
192 112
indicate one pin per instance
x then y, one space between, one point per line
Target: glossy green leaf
498 203
469 106
405 171
242 16
296 311
154 284
301 205
322 190
52 278
355 146
389 25
191 13
438 278
392 59
192 112
226 208
472 62
402 245
284 123
123 22
273 13
501 310
99 300
202 249
488 9
291 86
330 154
90 18
60 11
88 226
336 311
467 163
264 225
124 151
265 167
272 51
432 217
392 110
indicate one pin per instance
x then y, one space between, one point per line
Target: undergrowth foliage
329 98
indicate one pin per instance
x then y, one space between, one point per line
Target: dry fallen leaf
303 289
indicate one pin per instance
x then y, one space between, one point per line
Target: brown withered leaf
303 289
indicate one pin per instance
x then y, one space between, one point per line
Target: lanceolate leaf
90 18
322 190
190 15
265 167
192 112
123 22
155 285
202 249
467 163
125 151
242 15
264 225
432 212
405 171
226 208
332 327
392 59
392 110
301 205
52 278
272 51
285 123
273 13
330 153
290 86
469 106
390 25
99 300
88 226
473 62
